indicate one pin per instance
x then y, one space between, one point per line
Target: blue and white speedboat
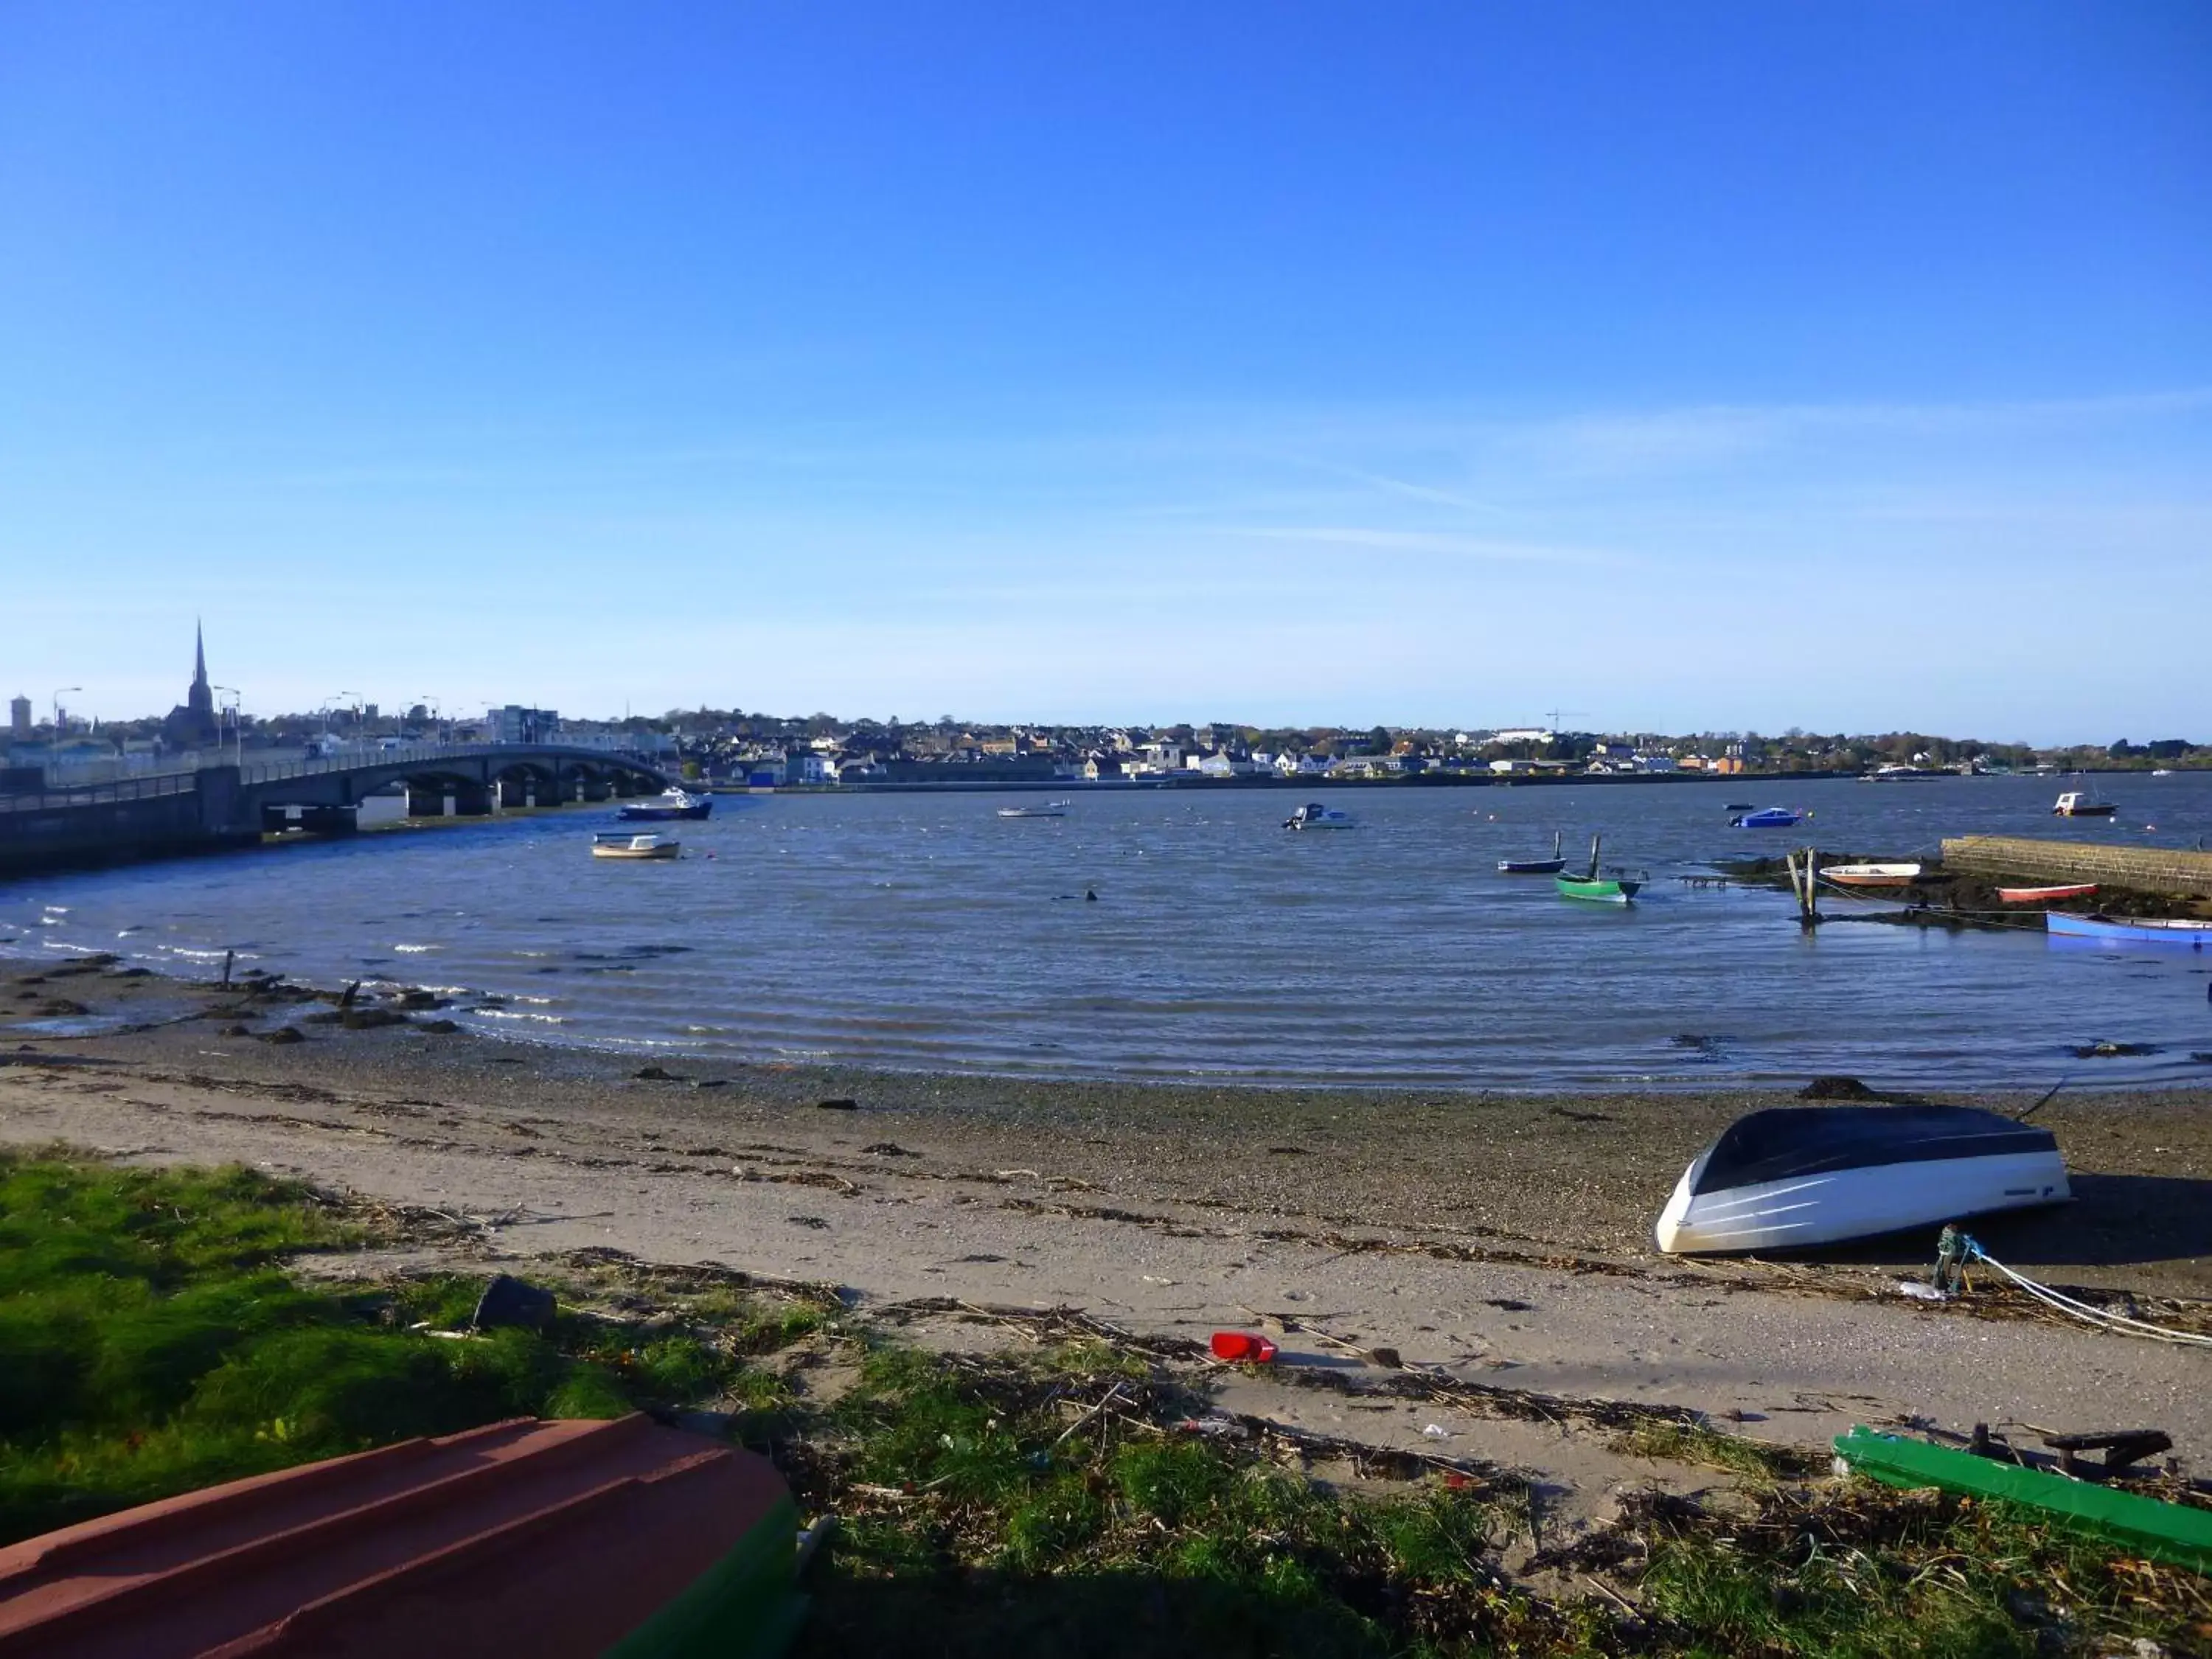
1767 818
669 804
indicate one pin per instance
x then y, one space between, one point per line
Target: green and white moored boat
1614 886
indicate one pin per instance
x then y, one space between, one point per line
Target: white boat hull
1834 1206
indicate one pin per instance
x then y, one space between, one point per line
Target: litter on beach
1243 1348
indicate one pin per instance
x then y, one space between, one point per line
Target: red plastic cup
1243 1348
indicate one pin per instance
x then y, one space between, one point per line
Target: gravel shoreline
1582 1173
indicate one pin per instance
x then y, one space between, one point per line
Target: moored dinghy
1612 886
1796 1175
1872 875
2189 932
2044 895
1550 866
621 844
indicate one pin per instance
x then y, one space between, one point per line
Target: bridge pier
425 803
513 793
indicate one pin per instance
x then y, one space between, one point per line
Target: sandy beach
1505 1236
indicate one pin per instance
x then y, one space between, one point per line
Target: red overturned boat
613 1540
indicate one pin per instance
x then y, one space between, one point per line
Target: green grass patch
150 1343
984 1504
1860 1572
1694 1443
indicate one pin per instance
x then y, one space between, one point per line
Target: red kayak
2044 895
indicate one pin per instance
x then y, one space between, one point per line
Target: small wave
413 950
191 954
519 1013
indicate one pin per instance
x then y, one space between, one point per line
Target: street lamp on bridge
237 731
60 730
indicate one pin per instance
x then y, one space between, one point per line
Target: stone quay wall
2145 869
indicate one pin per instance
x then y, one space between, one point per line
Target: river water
924 931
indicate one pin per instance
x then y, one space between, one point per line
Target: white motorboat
670 803
1314 816
1796 1175
1051 809
2082 804
621 844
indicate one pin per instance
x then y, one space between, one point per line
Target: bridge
229 806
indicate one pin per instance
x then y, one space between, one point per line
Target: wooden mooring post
1802 883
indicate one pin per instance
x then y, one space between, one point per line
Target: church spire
199 653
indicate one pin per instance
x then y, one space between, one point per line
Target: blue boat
2189 935
1771 818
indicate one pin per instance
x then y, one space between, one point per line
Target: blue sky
1707 366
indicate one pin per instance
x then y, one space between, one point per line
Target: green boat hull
1604 890
2142 1526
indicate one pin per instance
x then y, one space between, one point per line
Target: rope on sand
2118 1324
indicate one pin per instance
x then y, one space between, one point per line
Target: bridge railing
356 760
49 801
176 783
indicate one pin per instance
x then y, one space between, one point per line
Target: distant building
191 724
515 724
19 717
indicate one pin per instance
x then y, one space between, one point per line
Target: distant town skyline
1759 366
195 721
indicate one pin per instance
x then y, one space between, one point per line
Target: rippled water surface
923 931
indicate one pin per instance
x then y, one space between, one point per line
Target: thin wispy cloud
1424 541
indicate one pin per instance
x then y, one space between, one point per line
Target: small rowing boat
619 844
1612 886
1550 866
2044 895
1794 1176
1872 875
2187 933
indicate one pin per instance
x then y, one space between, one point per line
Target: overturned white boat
1796 1175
